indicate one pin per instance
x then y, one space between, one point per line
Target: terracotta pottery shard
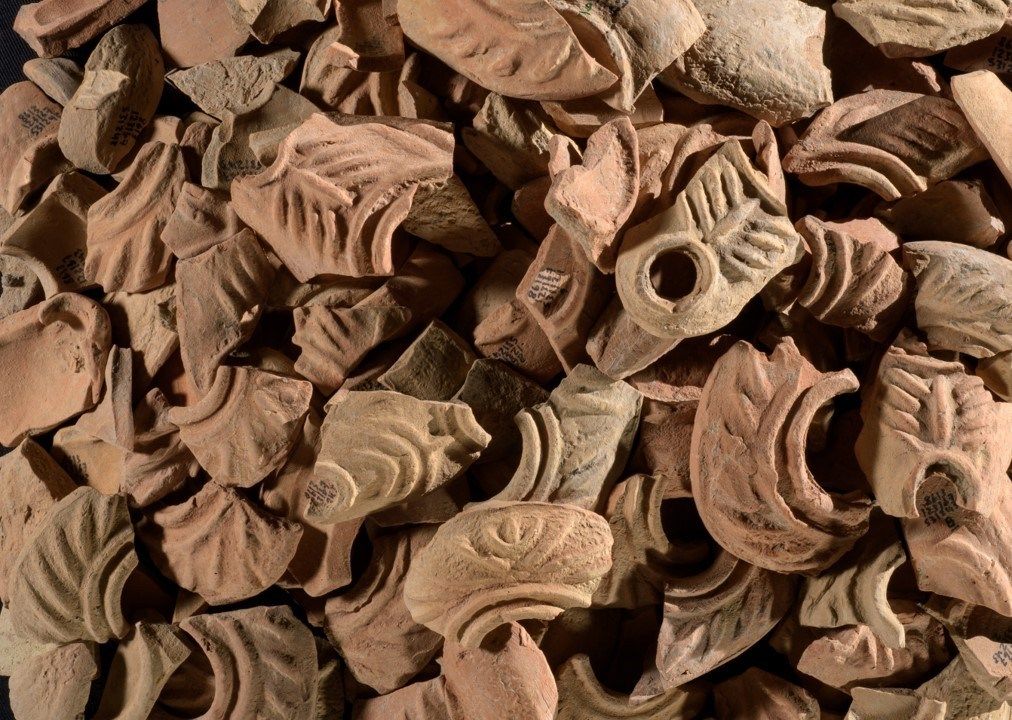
433 367
370 625
911 29
894 704
194 32
55 684
219 295
576 445
852 284
159 463
962 297
581 118
511 334
146 323
524 50
266 19
20 285
956 690
16 649
662 446
381 448
690 270
69 577
143 663
31 483
369 38
750 478
332 200
244 427
117 98
511 138
112 420
982 638
52 27
760 695
58 78
125 250
263 660
764 58
61 342
201 219
592 201
990 53
419 701
219 545
89 461
503 562
620 347
29 154
894 143
444 214
959 211
237 84
987 103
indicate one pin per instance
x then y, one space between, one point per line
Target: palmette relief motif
891 142
334 196
760 695
196 544
381 448
750 477
894 704
54 685
69 577
29 154
237 84
244 427
523 48
51 27
503 562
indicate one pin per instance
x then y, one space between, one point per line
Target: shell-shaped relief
382 646
892 142
759 695
379 448
501 562
55 684
962 297
750 479
334 196
263 660
125 249
581 697
218 299
893 704
927 417
194 544
983 639
525 49
576 444
716 615
246 425
70 576
852 283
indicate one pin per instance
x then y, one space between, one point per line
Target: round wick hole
673 275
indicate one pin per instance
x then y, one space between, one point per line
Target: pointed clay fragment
433 367
146 323
893 143
20 285
62 342
194 32
29 154
158 463
237 84
219 545
956 690
244 427
89 461
51 27
370 625
764 58
54 685
201 219
987 103
69 577
959 211
112 420
511 138
444 214
125 250
325 209
117 98
418 701
381 448
524 50
511 334
267 19
58 78
576 444
502 562
760 695
143 663
894 704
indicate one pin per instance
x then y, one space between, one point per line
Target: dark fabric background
13 50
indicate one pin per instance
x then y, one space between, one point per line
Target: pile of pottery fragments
507 359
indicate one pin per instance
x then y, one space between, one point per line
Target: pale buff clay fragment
987 103
894 704
237 85
54 685
29 154
16 650
58 78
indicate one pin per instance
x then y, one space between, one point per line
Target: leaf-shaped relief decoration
893 704
852 283
892 142
369 623
759 695
345 89
927 418
581 697
193 544
158 463
54 685
69 577
29 154
691 269
142 665
244 427
716 615
576 444
984 641
125 249
962 301
909 28
497 563
219 294
854 591
750 479
263 660
380 448
334 196
523 48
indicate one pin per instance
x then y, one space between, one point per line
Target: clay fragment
511 138
234 85
29 154
369 37
16 649
194 32
959 211
201 219
20 285
987 103
51 27
763 696
158 463
894 704
112 420
990 53
55 684
418 701
266 19
145 323
433 367
956 690
58 78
